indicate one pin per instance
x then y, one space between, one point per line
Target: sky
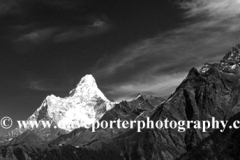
129 46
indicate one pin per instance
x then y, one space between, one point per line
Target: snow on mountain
85 104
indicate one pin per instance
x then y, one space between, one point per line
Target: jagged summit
233 56
143 96
229 64
88 80
85 104
212 92
231 61
88 88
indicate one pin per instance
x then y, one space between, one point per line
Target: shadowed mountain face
220 146
27 137
214 91
139 108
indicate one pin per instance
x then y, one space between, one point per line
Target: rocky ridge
85 104
214 91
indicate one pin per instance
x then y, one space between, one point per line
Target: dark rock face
220 146
214 91
43 113
199 97
59 148
124 110
27 137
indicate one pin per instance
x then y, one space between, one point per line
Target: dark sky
129 46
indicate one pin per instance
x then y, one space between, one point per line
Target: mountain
223 145
85 104
220 145
213 91
27 146
136 109
27 137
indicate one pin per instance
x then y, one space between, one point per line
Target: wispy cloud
213 29
37 36
156 85
97 27
50 21
45 86
215 13
39 85
16 7
8 7
62 34
215 9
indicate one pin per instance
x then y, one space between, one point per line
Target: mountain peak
229 64
142 95
86 83
233 56
86 103
88 79
231 61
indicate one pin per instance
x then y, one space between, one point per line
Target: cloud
8 7
214 9
45 86
211 28
74 33
157 85
222 13
60 87
37 36
28 26
16 7
61 34
39 85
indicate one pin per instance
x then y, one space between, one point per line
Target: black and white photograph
119 79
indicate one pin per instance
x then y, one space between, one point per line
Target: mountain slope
138 108
214 91
221 146
211 92
85 104
27 137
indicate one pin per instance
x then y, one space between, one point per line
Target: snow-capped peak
88 88
88 80
85 105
